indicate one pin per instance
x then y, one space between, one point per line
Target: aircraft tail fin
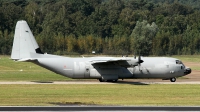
24 42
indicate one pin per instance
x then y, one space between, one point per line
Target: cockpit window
178 62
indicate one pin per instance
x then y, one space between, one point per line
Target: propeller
139 60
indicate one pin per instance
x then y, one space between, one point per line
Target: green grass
25 71
188 58
116 94
194 61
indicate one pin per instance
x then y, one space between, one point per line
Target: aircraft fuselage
83 68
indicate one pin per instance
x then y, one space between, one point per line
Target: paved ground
195 75
135 82
193 78
100 109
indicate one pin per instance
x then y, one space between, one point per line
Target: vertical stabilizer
24 42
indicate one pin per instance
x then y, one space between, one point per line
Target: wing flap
109 60
116 61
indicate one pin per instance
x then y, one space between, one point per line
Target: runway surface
96 82
99 108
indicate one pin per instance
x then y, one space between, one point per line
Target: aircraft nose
187 71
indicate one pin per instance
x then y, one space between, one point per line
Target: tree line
142 27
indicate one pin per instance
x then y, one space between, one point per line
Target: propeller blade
139 60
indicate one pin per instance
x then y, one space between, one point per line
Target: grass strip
117 94
26 71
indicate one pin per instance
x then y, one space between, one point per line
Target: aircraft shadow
118 82
128 82
43 82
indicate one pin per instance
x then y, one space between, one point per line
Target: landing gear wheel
115 80
173 79
101 80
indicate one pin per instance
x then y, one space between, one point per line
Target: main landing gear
103 80
173 79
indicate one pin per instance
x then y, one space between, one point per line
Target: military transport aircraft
25 48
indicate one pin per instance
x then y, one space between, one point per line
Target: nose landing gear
173 79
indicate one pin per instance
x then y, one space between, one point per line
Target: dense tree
145 27
143 35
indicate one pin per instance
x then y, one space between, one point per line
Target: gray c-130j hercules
25 48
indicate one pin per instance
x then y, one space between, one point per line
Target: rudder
24 42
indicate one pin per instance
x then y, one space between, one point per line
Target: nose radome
187 71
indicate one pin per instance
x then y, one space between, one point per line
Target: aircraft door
87 69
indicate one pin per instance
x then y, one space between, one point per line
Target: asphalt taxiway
97 108
96 82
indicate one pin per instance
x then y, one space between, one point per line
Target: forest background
122 27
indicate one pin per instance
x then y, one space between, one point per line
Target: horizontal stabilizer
27 59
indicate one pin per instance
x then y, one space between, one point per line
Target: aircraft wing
108 60
116 61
